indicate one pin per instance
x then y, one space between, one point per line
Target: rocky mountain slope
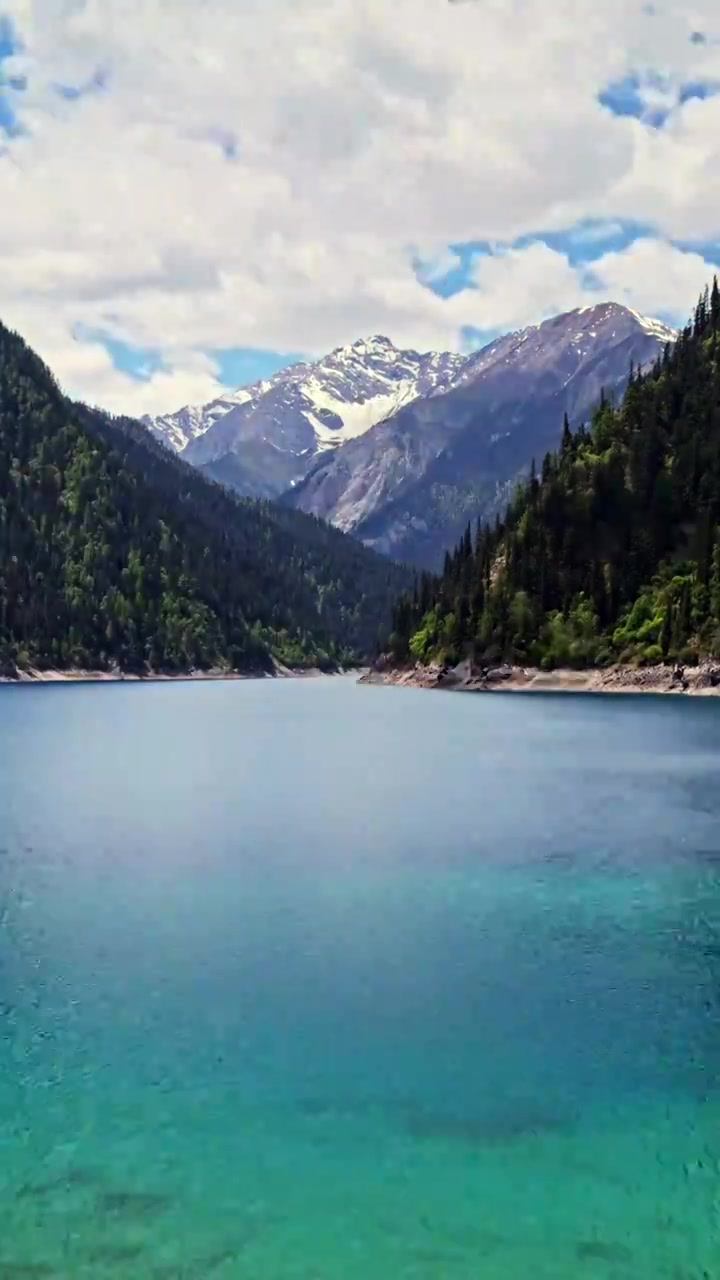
178 429
261 440
408 486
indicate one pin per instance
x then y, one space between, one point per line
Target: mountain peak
601 311
375 340
375 344
281 425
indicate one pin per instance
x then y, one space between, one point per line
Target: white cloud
362 130
187 376
521 286
654 277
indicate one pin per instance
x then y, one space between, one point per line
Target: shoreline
700 681
77 675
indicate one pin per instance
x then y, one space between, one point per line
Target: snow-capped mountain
410 484
401 448
570 341
179 428
264 438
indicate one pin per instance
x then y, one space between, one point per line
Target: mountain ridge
276 427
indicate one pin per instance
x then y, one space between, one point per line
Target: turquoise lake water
308 981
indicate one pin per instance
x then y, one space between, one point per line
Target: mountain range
263 439
401 448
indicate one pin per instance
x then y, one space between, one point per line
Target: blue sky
195 196
642 97
236 366
10 85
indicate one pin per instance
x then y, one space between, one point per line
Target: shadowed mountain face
410 484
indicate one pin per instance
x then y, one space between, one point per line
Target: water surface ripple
307 981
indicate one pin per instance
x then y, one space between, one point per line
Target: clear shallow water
306 981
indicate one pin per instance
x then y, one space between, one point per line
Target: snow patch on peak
377 345
376 340
178 429
310 407
354 418
654 327
612 310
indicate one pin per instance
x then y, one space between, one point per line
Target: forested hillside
610 553
115 553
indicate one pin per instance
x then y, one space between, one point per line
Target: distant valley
401 449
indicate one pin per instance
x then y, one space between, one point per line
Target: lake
302 980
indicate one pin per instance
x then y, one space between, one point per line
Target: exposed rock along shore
76 675
470 678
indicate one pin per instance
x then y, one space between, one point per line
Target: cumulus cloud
538 282
268 174
654 277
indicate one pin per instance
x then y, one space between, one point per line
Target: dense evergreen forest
612 552
115 553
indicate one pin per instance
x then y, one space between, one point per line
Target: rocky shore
467 678
76 675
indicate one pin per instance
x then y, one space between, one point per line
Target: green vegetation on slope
113 552
613 553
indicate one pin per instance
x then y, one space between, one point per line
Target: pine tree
715 306
667 630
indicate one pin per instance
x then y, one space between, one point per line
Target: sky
195 193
